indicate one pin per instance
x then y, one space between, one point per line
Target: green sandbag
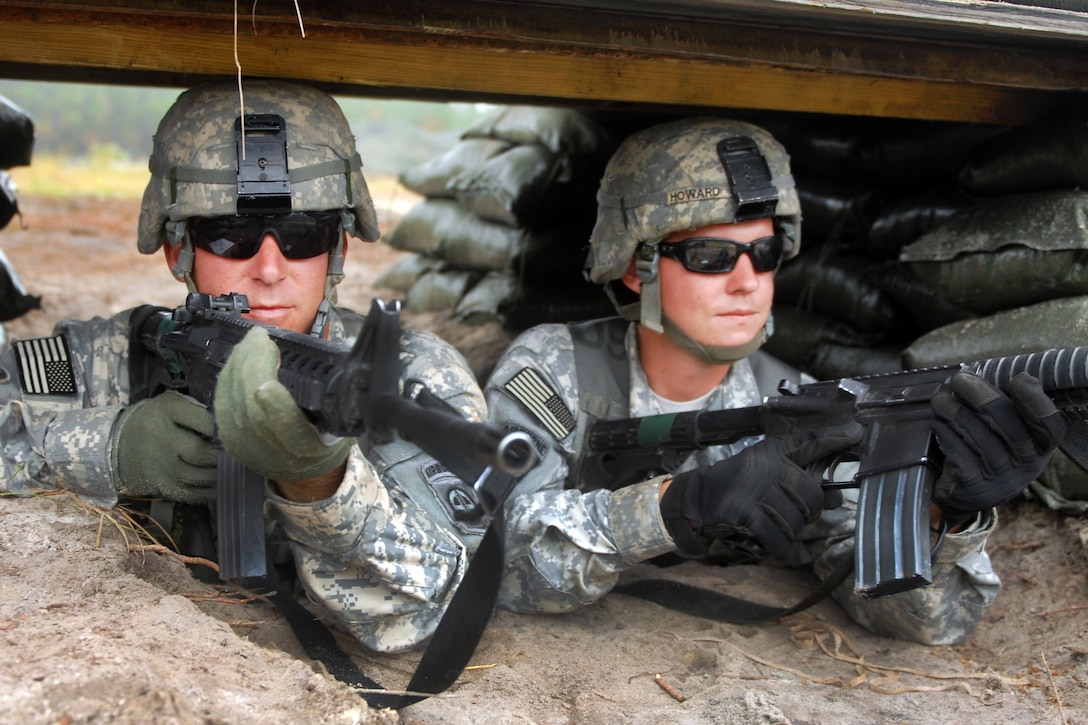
438 290
917 300
1042 326
837 210
561 130
828 361
1062 486
1007 252
902 220
1051 153
481 304
404 272
432 178
836 285
422 228
508 188
798 332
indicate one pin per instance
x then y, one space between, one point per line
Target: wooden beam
452 61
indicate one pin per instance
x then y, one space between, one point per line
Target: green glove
162 447
259 422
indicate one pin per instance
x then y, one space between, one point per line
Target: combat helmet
678 176
195 167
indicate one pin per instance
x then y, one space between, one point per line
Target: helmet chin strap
716 354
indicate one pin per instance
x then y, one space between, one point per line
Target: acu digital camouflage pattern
194 158
567 543
669 178
383 554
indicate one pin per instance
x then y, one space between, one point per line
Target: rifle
344 391
898 458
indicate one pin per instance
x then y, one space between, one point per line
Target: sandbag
828 361
432 177
482 303
1042 326
798 332
1051 153
1007 252
422 228
404 272
903 219
1062 486
508 188
561 130
439 290
836 285
915 299
837 210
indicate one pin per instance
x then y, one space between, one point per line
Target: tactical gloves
259 422
994 444
763 493
162 447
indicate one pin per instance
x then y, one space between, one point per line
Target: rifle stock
344 392
898 458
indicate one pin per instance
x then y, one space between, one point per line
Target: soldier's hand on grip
764 493
994 444
259 422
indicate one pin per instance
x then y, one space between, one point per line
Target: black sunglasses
300 234
712 255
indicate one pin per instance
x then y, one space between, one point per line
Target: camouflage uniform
383 554
567 546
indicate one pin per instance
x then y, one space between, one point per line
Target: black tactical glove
994 444
762 493
162 447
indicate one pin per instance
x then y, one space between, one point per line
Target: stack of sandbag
867 188
501 233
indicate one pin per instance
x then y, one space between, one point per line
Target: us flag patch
532 391
45 367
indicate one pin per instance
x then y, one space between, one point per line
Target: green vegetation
113 125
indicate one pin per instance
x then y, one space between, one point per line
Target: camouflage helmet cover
670 178
194 157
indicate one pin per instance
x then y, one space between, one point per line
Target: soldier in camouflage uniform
371 527
694 217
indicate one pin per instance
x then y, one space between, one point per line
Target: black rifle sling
454 640
601 377
451 646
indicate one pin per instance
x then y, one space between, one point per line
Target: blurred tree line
83 120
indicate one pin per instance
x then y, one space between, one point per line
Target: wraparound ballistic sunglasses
300 234
712 255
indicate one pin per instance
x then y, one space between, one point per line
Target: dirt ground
93 633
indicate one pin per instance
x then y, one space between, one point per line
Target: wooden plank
453 63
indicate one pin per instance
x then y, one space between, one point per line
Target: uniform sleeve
386 552
946 611
565 547
59 399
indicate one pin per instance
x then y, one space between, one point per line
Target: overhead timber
953 60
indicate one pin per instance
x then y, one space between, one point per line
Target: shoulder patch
530 389
45 366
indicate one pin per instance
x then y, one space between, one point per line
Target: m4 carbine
344 391
897 459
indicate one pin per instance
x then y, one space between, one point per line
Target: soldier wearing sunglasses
261 203
694 218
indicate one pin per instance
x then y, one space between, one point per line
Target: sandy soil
91 632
